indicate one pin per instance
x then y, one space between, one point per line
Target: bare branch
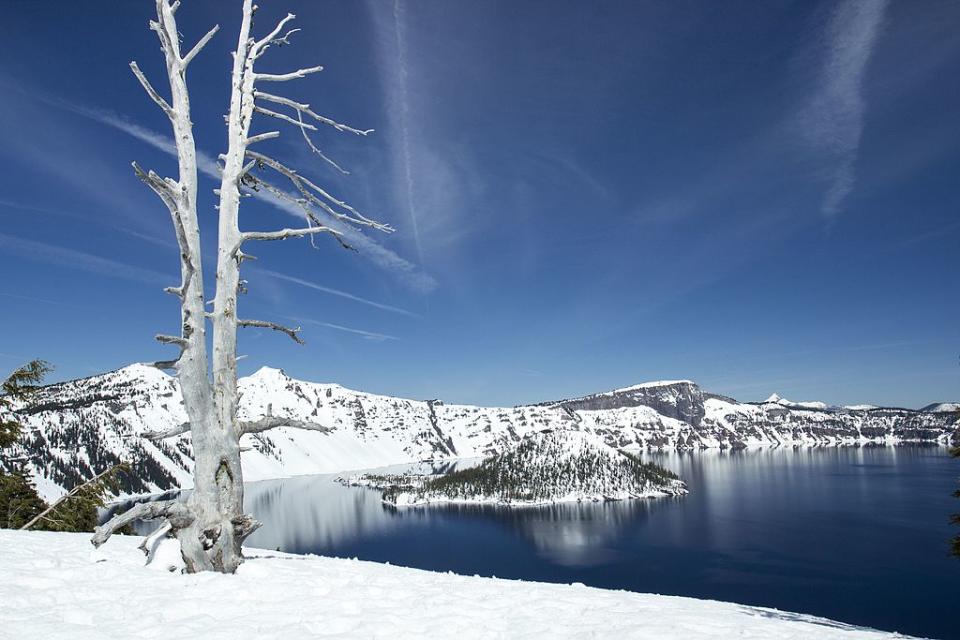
200 45
150 543
244 525
283 77
183 427
158 185
264 324
305 108
177 340
271 422
325 157
285 39
77 489
283 234
175 6
303 126
304 186
256 183
156 97
166 29
263 44
167 365
172 196
282 116
261 137
173 510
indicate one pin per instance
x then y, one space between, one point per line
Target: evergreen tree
19 501
20 384
20 504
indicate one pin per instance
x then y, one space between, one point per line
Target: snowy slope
78 427
56 586
775 398
943 407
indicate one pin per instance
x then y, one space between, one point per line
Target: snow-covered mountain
801 405
943 407
75 428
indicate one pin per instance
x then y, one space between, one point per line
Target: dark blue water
854 534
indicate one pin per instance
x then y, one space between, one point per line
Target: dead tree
211 525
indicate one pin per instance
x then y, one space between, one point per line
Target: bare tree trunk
212 526
218 478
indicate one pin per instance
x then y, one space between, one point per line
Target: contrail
369 335
839 105
335 292
404 124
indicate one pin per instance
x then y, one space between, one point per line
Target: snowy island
544 468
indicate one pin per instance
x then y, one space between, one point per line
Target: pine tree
20 384
20 504
19 501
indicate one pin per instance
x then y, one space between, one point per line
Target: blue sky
757 196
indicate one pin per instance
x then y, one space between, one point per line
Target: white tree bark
211 524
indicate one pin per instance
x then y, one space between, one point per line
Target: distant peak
776 399
141 370
655 383
269 372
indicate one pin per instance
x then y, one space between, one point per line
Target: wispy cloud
834 118
405 271
333 292
205 163
146 237
73 259
368 335
34 299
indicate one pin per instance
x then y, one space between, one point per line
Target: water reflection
739 501
314 514
579 534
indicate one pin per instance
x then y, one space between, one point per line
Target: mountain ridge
77 427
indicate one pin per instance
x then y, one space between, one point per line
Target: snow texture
56 586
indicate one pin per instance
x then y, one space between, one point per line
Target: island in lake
545 467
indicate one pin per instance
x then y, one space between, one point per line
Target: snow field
55 585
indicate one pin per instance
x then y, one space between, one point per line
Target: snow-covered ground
55 585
